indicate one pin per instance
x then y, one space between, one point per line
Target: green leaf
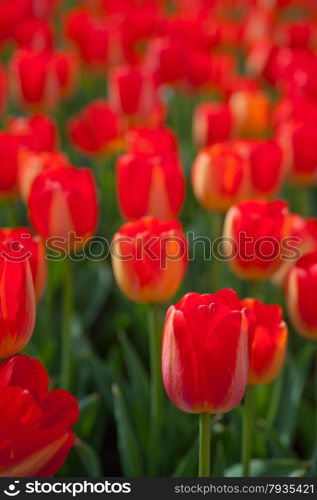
130 454
90 460
136 370
88 407
269 468
189 464
294 382
104 379
93 285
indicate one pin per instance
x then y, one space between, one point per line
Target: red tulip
212 122
36 434
266 171
63 204
150 184
41 131
222 65
149 259
90 36
32 33
42 79
301 295
251 112
298 108
268 341
32 164
165 58
25 246
199 68
254 230
35 134
97 129
303 233
144 140
17 308
219 177
133 93
205 352
298 141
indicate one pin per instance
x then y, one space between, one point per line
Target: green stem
247 431
255 289
66 354
204 444
156 389
275 400
313 470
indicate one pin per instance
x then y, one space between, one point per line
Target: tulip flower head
97 129
25 246
219 177
301 295
133 93
32 164
42 79
265 166
298 141
17 306
149 259
254 230
40 130
205 357
212 122
251 112
63 203
36 435
150 184
268 341
151 140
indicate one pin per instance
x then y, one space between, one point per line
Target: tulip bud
212 122
63 203
32 164
150 184
37 423
254 230
133 92
205 352
251 112
301 295
298 141
17 307
268 341
219 177
96 129
149 259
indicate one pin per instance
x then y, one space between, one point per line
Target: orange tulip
268 341
219 177
149 259
251 112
